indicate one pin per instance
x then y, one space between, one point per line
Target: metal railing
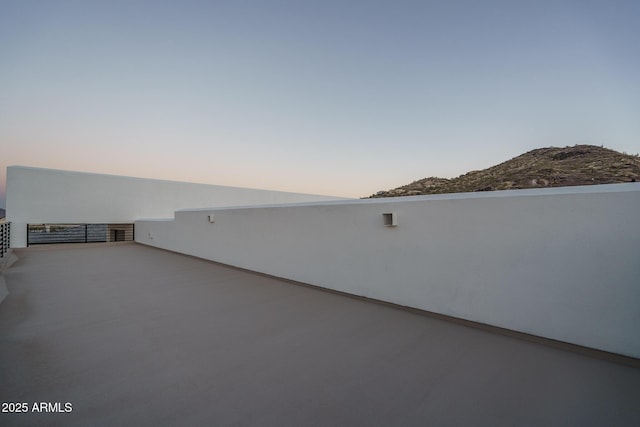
78 233
5 242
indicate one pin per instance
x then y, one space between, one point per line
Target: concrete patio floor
131 335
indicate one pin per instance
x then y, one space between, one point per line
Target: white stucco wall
558 263
36 196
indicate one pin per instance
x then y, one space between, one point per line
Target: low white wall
558 263
36 196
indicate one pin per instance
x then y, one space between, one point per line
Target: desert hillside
543 167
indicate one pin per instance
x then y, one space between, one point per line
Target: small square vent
390 219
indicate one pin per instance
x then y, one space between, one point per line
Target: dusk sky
341 98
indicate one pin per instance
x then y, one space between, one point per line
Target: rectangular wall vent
390 219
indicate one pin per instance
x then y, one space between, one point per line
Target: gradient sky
333 97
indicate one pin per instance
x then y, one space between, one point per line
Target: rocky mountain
543 167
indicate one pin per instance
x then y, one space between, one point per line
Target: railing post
85 232
5 238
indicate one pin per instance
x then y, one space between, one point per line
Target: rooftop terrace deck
132 335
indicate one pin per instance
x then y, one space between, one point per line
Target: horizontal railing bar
79 233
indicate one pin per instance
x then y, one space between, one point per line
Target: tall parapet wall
558 263
36 196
